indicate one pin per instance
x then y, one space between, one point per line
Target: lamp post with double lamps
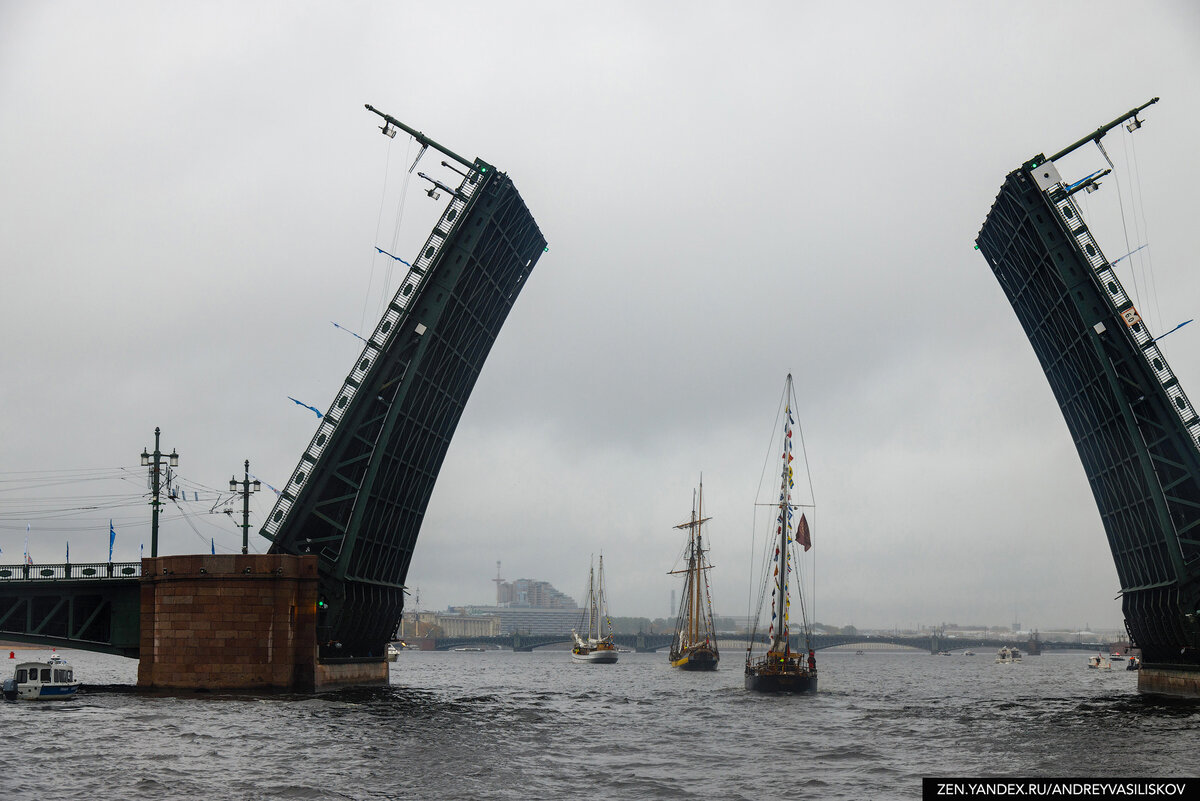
153 460
245 487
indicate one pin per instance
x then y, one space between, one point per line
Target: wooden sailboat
596 644
780 668
695 643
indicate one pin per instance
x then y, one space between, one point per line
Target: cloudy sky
190 194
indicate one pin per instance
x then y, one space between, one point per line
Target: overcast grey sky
191 193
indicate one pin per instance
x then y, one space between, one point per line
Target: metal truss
1134 428
358 496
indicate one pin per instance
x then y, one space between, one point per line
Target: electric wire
1141 210
378 224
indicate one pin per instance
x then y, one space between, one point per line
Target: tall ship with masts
785 563
695 644
596 644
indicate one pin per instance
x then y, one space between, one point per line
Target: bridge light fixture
246 487
153 461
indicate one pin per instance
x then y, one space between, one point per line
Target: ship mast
691 589
780 642
601 606
694 577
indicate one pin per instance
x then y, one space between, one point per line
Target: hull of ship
781 682
601 657
696 659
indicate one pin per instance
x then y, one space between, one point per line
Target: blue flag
68 553
112 537
213 542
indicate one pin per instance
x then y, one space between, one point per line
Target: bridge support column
236 622
1156 680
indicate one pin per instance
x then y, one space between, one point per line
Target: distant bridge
647 643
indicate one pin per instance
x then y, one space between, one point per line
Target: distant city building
536 594
439 624
526 619
469 625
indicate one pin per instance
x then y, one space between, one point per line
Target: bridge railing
1069 215
97 571
377 343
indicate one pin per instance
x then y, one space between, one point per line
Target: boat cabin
54 678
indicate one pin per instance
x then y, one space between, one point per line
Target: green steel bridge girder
1133 430
359 495
88 614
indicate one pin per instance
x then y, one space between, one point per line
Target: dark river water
503 725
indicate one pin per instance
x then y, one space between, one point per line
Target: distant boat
393 653
1007 656
968 653
695 644
596 644
779 668
53 679
472 649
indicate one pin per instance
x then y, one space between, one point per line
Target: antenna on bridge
391 124
1099 133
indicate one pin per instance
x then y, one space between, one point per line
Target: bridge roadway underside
89 607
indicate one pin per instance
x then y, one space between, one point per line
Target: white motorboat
1007 656
37 681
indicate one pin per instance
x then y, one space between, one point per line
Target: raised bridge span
1136 431
358 494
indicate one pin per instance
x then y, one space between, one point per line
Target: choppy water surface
503 725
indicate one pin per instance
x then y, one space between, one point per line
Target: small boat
393 653
1117 656
858 653
596 645
38 681
1007 656
944 653
695 644
1133 664
1099 662
968 653
475 649
779 668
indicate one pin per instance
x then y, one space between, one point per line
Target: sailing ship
596 644
780 669
695 644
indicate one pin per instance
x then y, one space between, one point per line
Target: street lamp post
155 485
246 487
